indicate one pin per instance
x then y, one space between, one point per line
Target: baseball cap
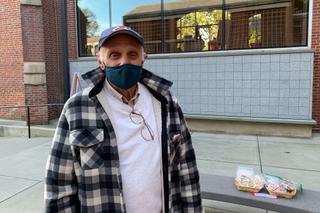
110 32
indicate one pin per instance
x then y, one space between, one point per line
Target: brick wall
32 33
36 95
82 34
316 74
11 60
33 49
53 55
72 29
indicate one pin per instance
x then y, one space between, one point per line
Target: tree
92 24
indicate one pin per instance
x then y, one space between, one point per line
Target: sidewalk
293 158
22 163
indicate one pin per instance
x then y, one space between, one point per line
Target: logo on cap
120 28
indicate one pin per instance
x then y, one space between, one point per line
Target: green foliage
253 39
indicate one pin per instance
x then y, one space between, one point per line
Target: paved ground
295 159
22 163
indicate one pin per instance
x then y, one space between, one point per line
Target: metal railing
28 112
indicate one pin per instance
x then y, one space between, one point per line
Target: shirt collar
120 97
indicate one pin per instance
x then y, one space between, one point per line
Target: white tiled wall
275 85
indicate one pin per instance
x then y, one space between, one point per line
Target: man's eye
114 55
133 54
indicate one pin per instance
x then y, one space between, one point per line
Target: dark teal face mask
124 76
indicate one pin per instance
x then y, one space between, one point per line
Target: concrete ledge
35 79
31 2
34 68
1 131
21 131
251 119
34 73
251 128
241 52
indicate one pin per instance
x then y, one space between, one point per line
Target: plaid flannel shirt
82 172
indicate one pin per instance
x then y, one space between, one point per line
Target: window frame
224 9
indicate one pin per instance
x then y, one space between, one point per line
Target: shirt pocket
88 147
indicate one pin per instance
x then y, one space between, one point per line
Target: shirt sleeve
189 175
60 191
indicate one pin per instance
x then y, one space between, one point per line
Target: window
144 17
254 31
266 23
172 26
92 20
300 22
197 31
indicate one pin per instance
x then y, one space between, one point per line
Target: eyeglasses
146 132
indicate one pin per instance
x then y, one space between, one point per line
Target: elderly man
122 145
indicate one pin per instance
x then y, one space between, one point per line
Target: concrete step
20 131
14 128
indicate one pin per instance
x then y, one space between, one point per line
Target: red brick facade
11 62
72 29
33 49
53 55
316 72
31 33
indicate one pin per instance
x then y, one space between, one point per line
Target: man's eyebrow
112 51
133 51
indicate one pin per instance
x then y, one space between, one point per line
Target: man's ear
100 62
145 56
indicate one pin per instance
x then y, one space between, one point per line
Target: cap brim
123 32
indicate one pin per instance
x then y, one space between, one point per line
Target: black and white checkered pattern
82 172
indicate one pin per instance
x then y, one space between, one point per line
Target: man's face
122 49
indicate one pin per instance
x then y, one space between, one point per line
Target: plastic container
248 180
281 187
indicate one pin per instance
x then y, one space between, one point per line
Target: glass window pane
144 16
197 25
192 25
265 23
93 18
